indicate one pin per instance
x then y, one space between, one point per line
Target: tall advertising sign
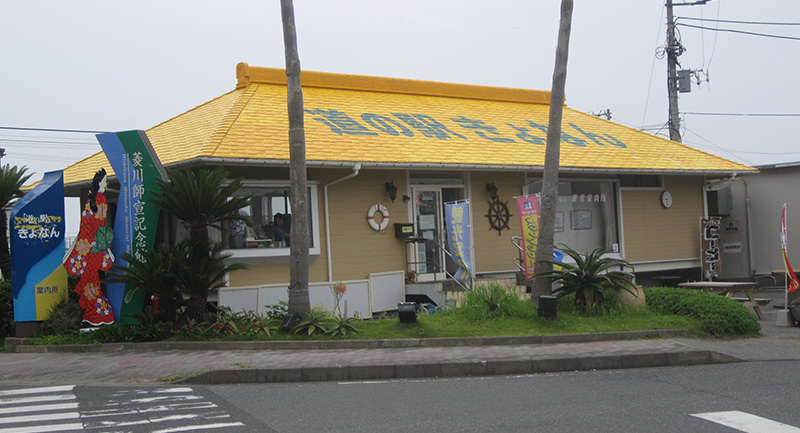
37 247
457 216
528 207
137 167
711 247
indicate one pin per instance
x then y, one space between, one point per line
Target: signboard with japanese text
457 221
711 246
528 207
37 248
137 167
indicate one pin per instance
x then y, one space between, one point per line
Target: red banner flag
793 282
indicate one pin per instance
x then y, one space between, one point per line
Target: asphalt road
753 397
638 400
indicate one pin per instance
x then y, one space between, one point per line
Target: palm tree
544 250
299 263
11 181
155 274
201 200
201 274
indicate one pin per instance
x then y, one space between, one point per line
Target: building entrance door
430 257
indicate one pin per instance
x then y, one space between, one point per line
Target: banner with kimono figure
137 167
37 247
528 207
457 217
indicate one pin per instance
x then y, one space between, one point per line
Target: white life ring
377 207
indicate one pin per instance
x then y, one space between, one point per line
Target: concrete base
785 318
27 329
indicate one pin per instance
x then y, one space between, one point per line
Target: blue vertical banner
457 217
137 168
37 248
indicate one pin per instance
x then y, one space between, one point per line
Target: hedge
719 316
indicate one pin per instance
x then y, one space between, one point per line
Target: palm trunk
299 232
544 249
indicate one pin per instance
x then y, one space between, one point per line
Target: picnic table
728 288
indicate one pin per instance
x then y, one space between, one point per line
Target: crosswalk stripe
39 408
44 428
199 427
40 390
42 417
43 398
746 422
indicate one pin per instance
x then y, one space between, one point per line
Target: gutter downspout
356 169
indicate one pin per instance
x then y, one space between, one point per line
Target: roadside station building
637 196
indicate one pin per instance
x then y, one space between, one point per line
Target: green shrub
64 317
718 315
6 310
315 322
589 279
493 301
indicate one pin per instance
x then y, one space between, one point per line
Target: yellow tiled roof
386 121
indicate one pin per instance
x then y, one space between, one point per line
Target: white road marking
199 427
40 408
26 401
44 428
42 417
20 400
37 390
746 422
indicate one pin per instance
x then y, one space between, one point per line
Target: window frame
281 255
620 241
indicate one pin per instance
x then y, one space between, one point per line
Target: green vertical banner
137 168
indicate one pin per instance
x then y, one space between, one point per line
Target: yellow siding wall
356 249
654 233
493 251
650 231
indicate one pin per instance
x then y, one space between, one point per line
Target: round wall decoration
377 207
666 199
498 216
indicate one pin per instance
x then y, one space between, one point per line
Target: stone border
499 367
18 345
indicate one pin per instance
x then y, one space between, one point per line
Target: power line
15 128
739 22
792 38
744 114
47 142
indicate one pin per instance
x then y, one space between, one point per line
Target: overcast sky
121 65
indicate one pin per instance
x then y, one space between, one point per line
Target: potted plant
590 278
412 276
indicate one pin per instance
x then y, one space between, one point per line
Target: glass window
640 181
272 214
586 215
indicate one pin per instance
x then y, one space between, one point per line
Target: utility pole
674 49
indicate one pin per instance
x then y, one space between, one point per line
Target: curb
456 369
17 345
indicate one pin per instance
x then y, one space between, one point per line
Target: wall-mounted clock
666 199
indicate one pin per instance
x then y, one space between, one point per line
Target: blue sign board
37 248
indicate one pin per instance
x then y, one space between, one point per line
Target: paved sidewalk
405 359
